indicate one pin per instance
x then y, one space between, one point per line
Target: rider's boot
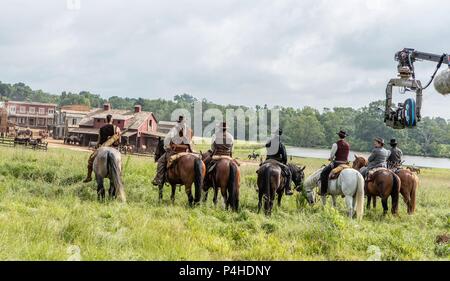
89 175
287 189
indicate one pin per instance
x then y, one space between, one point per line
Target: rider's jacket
277 153
378 158
222 143
396 156
173 136
340 151
106 132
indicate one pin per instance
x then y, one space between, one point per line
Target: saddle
173 158
337 171
216 158
373 171
180 148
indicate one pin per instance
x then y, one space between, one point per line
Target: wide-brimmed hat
342 134
393 142
222 125
379 140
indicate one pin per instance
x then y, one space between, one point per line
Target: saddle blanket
216 158
337 171
172 159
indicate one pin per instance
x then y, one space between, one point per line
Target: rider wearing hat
395 159
178 135
378 157
339 155
109 135
277 151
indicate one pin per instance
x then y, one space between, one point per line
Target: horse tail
359 196
198 174
114 173
413 192
395 190
233 195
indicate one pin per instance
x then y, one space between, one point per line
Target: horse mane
314 178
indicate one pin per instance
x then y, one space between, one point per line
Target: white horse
108 163
350 183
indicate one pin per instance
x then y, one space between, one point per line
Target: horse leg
100 189
324 200
260 196
225 197
160 196
349 202
384 202
333 199
189 194
374 202
280 195
172 196
205 196
368 201
216 193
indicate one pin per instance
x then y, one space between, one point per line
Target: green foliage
305 127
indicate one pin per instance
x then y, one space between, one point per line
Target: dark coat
281 154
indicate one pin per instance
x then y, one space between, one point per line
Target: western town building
69 117
34 115
139 128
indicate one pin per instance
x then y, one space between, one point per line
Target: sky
285 52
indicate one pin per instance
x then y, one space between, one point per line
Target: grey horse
108 164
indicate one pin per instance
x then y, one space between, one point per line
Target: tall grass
46 213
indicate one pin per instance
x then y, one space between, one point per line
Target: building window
150 124
74 121
12 109
41 122
51 111
41 111
31 110
49 121
23 109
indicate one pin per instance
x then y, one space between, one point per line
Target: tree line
305 127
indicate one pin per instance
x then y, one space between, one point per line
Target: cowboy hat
180 118
342 134
393 142
379 140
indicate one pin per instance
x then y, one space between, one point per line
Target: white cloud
292 53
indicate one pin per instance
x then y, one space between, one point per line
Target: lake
429 162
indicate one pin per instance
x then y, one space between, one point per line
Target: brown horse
410 183
270 182
382 183
187 170
226 176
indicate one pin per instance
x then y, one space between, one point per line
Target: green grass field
46 213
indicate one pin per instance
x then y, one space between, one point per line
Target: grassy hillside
46 213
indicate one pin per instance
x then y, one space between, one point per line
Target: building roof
135 119
90 131
32 103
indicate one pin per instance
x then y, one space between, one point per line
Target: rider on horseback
378 158
177 137
277 151
339 155
395 159
221 145
109 135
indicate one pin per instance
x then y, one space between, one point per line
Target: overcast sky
284 52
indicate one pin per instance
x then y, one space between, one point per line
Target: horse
227 177
108 164
410 183
271 181
382 183
349 183
187 170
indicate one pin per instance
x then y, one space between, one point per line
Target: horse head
359 162
298 176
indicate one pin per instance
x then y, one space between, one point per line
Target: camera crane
407 114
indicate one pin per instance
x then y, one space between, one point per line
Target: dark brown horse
382 183
226 176
187 170
270 182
